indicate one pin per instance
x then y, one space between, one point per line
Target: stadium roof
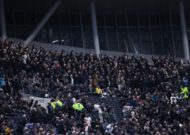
134 6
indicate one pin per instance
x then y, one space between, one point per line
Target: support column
172 34
42 23
3 22
82 30
184 31
94 28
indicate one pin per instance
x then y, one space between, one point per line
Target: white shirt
24 58
109 129
173 100
88 120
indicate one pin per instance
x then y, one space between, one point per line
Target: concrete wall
59 48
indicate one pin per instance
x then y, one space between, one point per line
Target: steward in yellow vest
185 92
59 103
56 104
98 91
53 105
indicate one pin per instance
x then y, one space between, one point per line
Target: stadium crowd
153 96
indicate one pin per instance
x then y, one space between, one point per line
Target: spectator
147 94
